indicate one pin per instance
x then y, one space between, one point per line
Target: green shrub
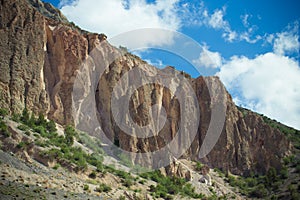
56 166
25 116
127 182
271 176
103 188
28 133
199 166
3 112
31 121
4 129
93 175
53 153
16 117
41 143
51 126
41 121
169 185
86 187
259 191
289 159
23 127
284 173
70 133
122 197
41 130
22 145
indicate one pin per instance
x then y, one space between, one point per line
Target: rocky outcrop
41 56
22 45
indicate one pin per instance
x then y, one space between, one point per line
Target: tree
70 133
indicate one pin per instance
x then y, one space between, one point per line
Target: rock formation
41 55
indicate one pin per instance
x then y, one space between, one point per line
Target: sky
253 46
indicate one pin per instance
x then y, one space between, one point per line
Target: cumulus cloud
287 41
268 84
216 21
116 16
208 59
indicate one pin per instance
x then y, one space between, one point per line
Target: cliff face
41 57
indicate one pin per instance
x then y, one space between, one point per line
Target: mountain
45 58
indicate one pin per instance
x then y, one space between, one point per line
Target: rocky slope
27 172
41 55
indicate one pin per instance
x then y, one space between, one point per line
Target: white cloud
157 63
287 41
208 59
113 17
217 22
247 37
245 19
268 84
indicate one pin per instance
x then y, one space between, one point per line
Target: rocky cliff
42 54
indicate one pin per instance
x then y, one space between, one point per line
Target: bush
93 175
122 197
56 166
86 187
25 116
4 129
22 145
170 185
27 133
284 173
271 176
103 188
3 112
70 133
199 166
23 127
41 130
289 159
16 117
259 191
51 126
41 121
127 182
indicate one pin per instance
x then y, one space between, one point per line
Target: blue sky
253 46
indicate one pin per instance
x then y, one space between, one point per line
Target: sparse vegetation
4 129
56 166
199 166
103 188
167 186
3 113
